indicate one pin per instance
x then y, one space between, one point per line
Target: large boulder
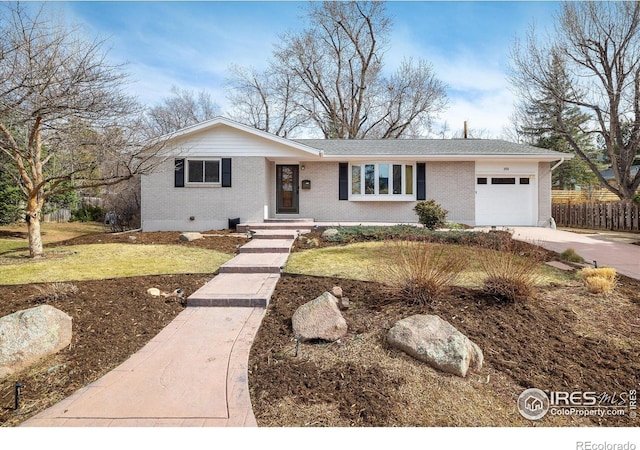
189 236
31 334
319 319
330 234
436 342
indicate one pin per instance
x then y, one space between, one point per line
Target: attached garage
508 197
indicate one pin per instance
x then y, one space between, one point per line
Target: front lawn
102 261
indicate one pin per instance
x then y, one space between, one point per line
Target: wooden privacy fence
586 195
616 216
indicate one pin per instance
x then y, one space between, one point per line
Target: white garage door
505 200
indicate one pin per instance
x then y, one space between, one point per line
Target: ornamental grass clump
420 272
511 273
599 281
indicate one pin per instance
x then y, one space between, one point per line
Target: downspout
552 222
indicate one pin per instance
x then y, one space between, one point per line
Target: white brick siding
165 207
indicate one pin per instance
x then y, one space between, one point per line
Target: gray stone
190 236
330 233
436 342
29 335
319 319
337 291
343 303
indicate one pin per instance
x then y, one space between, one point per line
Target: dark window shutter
421 182
343 182
226 172
179 173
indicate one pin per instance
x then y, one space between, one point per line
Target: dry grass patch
369 261
15 237
599 280
97 262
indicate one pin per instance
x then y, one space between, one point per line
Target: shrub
599 281
511 273
570 255
87 213
419 271
431 214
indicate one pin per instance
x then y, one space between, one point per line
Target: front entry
287 189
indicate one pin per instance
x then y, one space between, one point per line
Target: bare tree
597 44
65 123
334 70
181 109
265 100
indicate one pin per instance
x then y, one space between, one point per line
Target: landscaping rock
329 234
343 303
435 341
190 236
31 334
336 291
319 319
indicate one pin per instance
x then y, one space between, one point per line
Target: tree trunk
33 229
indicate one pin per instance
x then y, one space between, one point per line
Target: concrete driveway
605 248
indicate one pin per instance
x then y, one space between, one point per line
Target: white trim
389 197
425 158
203 183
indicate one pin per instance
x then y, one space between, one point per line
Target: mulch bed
533 343
112 319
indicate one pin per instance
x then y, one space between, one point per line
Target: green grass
102 261
14 237
363 261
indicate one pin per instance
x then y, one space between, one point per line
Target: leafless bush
511 272
54 291
122 203
419 271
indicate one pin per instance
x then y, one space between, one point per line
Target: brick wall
165 207
449 183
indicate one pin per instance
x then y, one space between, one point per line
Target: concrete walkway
194 372
610 252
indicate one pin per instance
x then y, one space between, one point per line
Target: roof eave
462 157
217 121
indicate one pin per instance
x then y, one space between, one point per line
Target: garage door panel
504 201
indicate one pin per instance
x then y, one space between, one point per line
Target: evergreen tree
539 121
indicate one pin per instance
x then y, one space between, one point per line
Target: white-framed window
382 181
204 171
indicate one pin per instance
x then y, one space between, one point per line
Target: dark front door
287 189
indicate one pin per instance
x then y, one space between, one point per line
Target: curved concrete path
193 373
622 256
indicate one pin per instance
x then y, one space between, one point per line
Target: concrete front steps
277 224
250 278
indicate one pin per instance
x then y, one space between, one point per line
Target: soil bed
356 382
112 319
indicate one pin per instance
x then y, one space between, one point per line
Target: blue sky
192 44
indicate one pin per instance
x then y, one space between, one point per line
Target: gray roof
435 147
